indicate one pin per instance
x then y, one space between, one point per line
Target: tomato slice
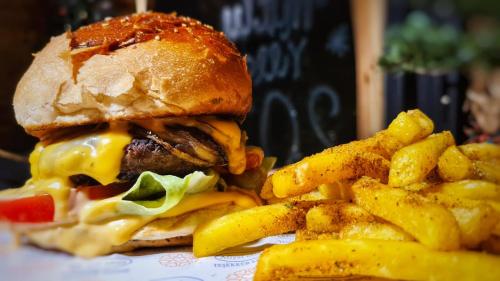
94 192
254 156
39 208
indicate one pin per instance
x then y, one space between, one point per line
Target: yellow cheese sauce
183 225
96 211
98 238
228 135
96 155
89 240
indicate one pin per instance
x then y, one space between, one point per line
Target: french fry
386 259
476 224
381 143
469 196
374 230
267 189
492 245
496 206
481 151
333 217
348 221
432 179
418 186
310 196
409 127
430 223
304 234
453 165
496 230
326 167
471 189
476 219
340 190
405 129
358 230
487 170
312 171
412 163
245 226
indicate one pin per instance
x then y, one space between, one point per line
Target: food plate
179 264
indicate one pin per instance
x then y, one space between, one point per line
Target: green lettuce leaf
153 194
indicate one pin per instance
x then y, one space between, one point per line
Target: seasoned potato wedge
481 151
333 217
492 245
381 143
358 230
387 259
314 195
430 223
476 219
471 189
245 226
487 170
267 189
312 171
409 127
453 165
476 224
325 167
374 230
412 163
304 234
340 190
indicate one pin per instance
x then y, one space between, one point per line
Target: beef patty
174 151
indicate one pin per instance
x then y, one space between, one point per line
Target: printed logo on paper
241 275
236 260
176 259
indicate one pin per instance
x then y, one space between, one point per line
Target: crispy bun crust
134 67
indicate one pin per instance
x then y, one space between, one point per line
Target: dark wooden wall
25 27
22 31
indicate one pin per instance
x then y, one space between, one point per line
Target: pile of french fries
404 204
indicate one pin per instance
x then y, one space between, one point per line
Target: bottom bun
137 244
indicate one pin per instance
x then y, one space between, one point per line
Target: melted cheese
228 135
96 211
91 238
96 155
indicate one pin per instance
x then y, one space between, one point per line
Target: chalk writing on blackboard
326 138
281 38
275 96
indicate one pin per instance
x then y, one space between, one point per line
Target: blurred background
324 72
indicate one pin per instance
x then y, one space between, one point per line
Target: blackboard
301 57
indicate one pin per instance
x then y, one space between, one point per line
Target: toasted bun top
133 67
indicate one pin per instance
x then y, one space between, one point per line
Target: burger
138 119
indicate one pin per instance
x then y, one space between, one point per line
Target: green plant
418 45
484 47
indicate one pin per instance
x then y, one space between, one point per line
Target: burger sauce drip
109 35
